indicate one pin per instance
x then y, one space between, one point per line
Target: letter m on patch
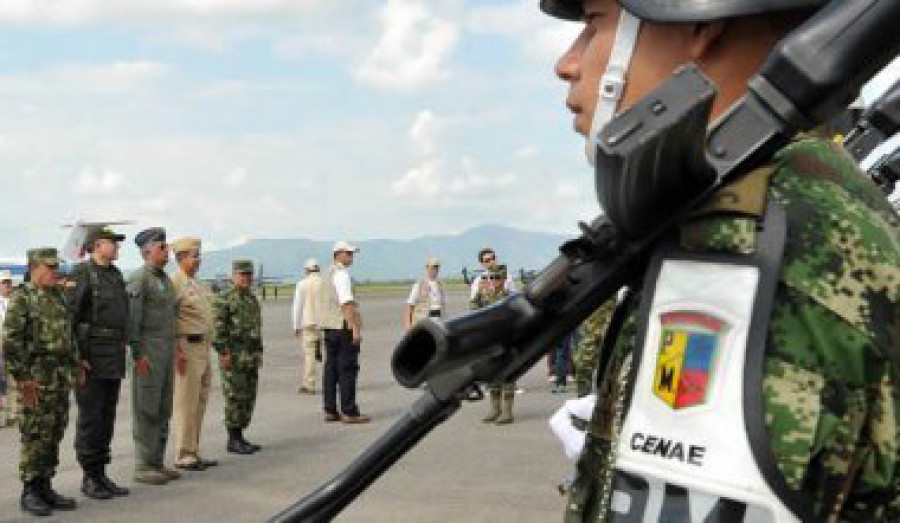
685 363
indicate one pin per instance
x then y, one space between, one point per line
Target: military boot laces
32 501
53 498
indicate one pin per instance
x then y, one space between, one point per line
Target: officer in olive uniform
39 350
238 340
100 307
152 340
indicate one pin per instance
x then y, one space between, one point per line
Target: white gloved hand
571 438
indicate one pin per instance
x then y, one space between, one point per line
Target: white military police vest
693 446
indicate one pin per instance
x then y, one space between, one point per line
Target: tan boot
494 413
506 406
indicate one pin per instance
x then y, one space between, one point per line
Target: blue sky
237 119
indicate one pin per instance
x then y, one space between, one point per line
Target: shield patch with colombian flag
687 352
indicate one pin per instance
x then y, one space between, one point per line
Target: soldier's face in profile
660 50
5 287
344 258
158 254
190 262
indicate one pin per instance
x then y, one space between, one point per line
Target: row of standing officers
58 337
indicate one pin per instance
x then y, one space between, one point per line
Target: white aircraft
73 248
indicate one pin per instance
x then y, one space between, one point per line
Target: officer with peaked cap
193 372
43 367
100 308
684 430
152 340
238 340
309 296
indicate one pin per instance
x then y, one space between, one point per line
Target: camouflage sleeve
135 288
221 322
15 337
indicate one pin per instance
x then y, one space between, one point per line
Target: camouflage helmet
682 11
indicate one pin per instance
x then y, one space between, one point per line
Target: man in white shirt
342 328
308 300
427 297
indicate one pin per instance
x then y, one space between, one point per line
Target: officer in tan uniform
427 297
309 301
193 373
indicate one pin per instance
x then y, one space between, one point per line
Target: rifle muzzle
432 346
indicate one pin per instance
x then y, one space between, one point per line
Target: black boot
92 486
32 501
53 498
253 446
235 445
111 486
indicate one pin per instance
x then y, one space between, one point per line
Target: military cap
101 233
186 244
43 256
432 261
153 234
311 263
242 266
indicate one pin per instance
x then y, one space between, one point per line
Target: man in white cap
342 328
427 297
8 403
309 298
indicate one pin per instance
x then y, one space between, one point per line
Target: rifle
663 142
875 125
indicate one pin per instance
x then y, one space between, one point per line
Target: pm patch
689 347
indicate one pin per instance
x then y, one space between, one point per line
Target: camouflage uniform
38 344
830 393
489 288
585 358
238 331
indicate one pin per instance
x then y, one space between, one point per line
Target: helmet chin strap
612 83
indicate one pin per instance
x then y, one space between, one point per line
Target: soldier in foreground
101 323
193 372
238 340
829 392
39 349
491 286
152 302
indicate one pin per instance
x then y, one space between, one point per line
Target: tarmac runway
464 470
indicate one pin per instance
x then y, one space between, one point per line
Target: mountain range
393 260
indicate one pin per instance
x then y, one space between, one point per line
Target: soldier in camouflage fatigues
588 349
830 391
238 340
491 286
39 349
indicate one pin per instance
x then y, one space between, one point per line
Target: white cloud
235 178
90 182
423 180
413 48
425 132
119 77
541 37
